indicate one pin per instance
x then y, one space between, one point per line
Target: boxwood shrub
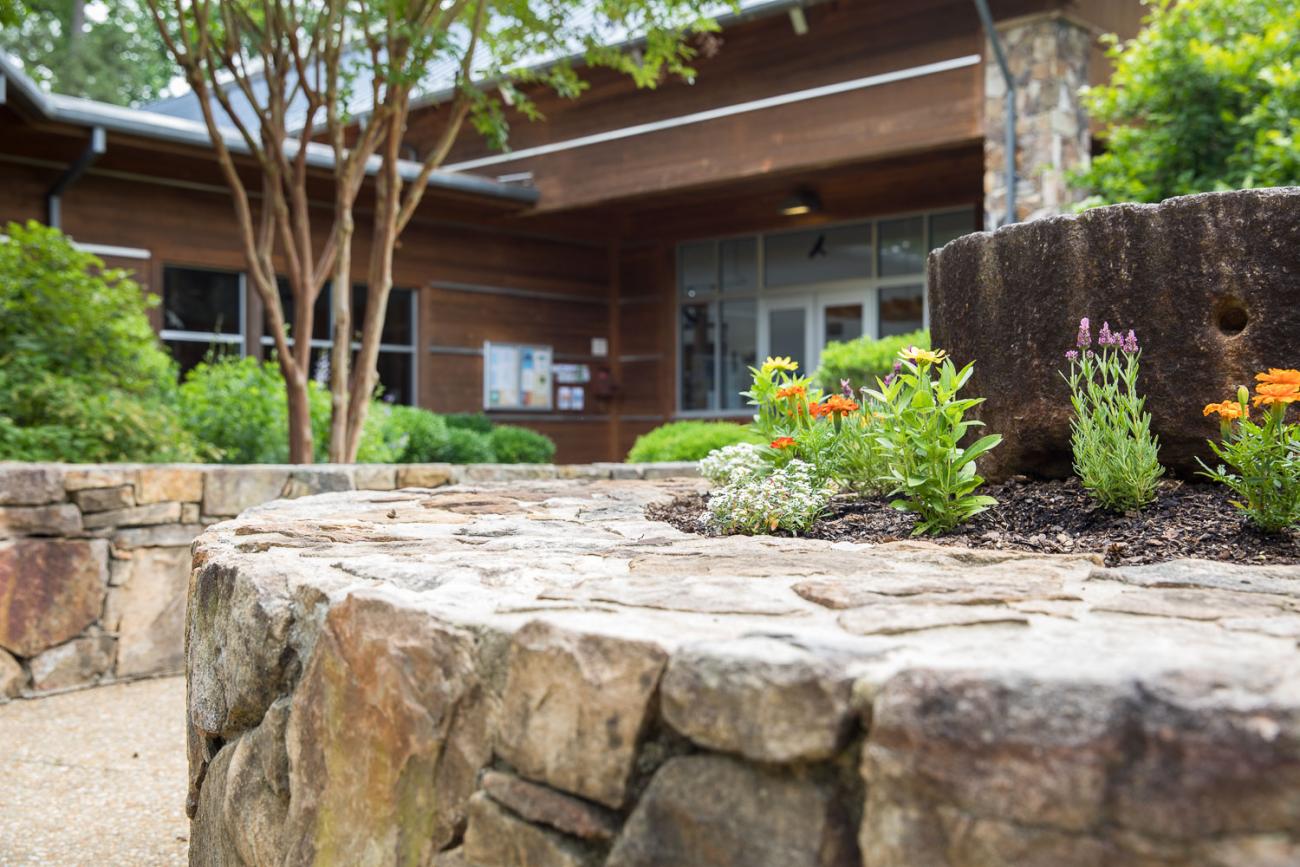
687 440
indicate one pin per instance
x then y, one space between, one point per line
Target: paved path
95 777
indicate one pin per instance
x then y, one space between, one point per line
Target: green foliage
418 435
864 360
1207 97
1265 465
466 447
1116 456
921 432
82 377
687 441
519 445
472 421
237 406
117 56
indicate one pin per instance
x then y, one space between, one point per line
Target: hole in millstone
1231 317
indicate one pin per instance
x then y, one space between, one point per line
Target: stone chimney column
1048 56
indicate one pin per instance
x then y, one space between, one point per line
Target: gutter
54 198
129 121
1009 144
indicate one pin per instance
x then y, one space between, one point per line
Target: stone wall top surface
569 683
583 556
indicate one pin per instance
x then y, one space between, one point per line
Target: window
397 346
791 293
202 314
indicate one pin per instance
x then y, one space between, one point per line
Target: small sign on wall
571 398
516 376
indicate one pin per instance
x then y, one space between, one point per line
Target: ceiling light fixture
801 202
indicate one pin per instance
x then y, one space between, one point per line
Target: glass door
786 330
844 316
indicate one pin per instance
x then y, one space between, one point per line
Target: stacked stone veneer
536 675
94 559
1048 56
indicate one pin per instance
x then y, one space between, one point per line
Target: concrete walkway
95 777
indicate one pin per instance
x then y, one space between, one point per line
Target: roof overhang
17 89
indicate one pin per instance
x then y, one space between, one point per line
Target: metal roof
439 80
15 84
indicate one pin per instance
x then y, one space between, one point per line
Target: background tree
1206 97
107 51
331 60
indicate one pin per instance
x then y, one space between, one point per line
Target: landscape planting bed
535 673
1051 517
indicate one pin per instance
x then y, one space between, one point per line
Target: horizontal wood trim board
480 289
721 112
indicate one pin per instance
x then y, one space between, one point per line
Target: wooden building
663 239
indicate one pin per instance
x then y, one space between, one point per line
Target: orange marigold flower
1277 375
792 391
1227 410
1276 392
782 442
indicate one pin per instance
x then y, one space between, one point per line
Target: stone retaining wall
536 675
94 558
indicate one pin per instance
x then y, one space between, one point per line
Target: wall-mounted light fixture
803 201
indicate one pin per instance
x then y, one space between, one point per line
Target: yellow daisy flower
780 363
917 355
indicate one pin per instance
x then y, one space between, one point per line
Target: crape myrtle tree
347 73
1206 97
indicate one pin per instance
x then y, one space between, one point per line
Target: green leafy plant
1264 458
82 376
1207 97
836 434
687 441
415 435
238 408
1116 456
466 447
473 421
921 432
864 360
519 445
789 498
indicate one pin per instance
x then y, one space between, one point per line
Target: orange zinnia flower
1276 392
1227 410
1277 375
818 409
792 391
842 405
782 442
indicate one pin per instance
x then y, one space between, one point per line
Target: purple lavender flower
1085 335
847 388
1131 342
1072 354
1106 338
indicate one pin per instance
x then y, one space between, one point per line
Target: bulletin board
516 376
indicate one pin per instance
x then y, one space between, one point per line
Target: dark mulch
1187 520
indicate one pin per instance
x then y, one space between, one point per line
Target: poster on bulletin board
516 376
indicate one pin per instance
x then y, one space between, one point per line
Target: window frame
268 340
180 335
869 287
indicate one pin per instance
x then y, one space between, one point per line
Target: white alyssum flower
791 498
733 463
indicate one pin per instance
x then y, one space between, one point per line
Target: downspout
54 198
1010 144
